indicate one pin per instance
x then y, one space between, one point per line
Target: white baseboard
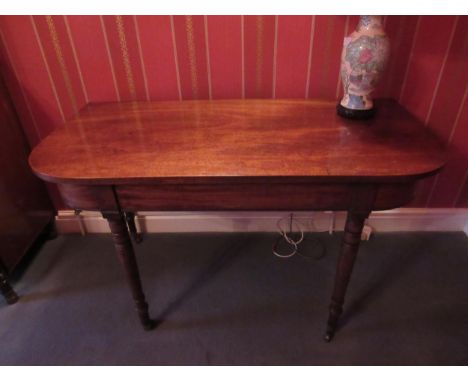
397 220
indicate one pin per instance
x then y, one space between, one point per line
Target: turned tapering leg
5 288
130 218
124 249
349 249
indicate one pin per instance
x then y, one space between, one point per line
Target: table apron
220 197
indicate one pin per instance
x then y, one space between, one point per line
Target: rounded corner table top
125 142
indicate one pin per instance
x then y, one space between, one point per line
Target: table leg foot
143 314
349 249
11 297
126 256
149 325
335 312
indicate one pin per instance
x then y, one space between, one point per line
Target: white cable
292 223
288 239
294 251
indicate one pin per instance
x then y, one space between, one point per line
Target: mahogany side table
289 155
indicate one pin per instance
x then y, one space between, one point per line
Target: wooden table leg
126 255
349 249
5 288
130 218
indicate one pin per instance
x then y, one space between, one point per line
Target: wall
55 65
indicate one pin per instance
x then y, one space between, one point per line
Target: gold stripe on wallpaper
434 95
176 58
111 63
408 63
309 61
207 48
441 71
125 56
52 83
275 51
192 55
140 52
259 62
61 61
242 57
75 56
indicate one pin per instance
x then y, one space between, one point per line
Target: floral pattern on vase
363 60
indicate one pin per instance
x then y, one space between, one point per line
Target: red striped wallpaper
56 64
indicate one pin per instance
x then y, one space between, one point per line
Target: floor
224 299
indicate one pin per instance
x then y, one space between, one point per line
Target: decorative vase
364 57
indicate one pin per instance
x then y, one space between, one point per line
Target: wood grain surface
235 140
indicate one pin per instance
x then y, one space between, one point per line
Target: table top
240 140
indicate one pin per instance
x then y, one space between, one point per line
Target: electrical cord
284 236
